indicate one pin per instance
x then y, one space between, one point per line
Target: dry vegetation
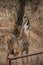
8 17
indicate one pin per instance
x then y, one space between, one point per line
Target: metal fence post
9 62
37 59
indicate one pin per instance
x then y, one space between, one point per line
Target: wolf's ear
28 22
